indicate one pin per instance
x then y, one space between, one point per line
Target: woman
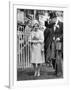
36 39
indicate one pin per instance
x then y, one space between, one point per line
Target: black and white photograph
39 44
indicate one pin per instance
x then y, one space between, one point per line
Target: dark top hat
52 15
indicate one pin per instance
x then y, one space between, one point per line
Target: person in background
36 39
28 29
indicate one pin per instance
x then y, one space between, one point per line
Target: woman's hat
35 22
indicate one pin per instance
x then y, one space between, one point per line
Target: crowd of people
47 39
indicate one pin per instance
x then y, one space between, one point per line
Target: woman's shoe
35 73
38 74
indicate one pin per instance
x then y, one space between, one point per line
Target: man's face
54 20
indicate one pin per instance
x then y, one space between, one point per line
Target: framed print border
12 46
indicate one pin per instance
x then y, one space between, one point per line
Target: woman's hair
35 24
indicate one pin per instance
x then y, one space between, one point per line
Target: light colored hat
35 22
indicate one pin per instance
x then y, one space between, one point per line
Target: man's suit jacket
59 31
49 33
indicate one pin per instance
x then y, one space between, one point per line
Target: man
47 41
58 42
52 35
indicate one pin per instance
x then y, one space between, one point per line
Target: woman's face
36 27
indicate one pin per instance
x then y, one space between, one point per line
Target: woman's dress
37 39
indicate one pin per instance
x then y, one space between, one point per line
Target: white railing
23 52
